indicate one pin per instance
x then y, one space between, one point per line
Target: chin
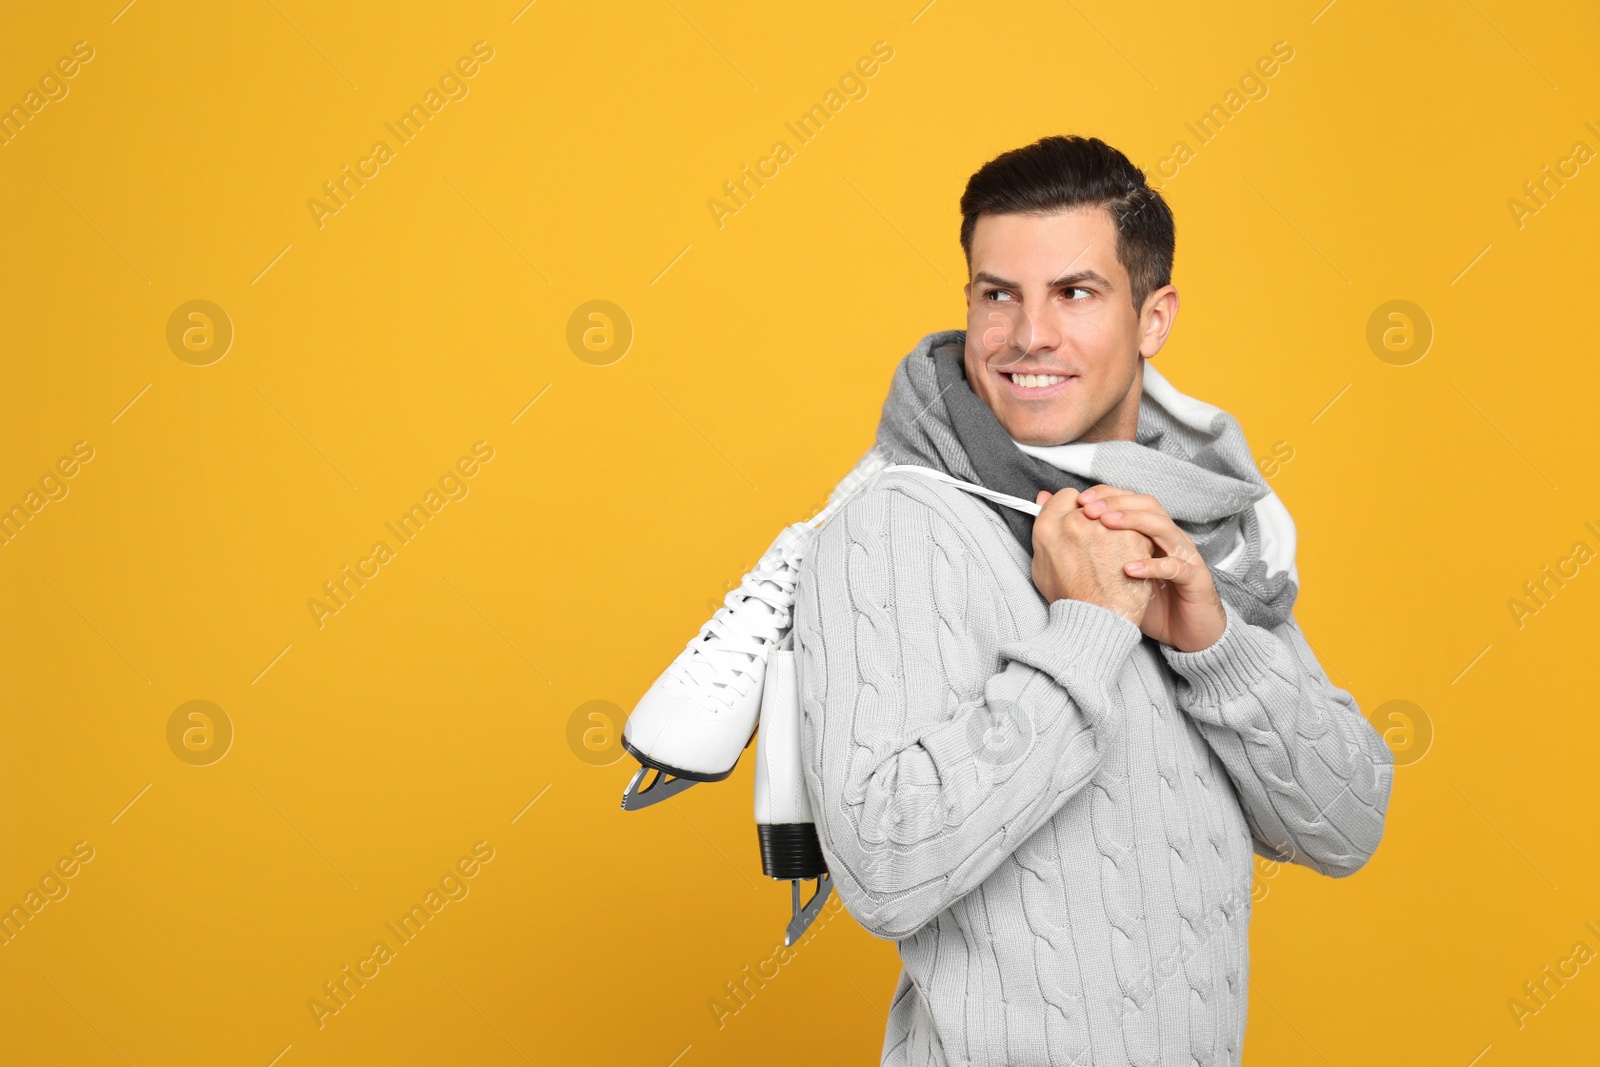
1035 431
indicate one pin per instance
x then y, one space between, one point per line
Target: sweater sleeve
1313 776
931 749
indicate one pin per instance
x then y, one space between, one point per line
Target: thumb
1043 497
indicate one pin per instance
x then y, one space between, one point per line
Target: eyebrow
1073 278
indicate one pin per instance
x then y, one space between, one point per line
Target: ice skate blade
805 915
661 787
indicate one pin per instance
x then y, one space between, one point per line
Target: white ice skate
692 724
697 718
785 827
694 721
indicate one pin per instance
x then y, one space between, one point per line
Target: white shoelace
722 660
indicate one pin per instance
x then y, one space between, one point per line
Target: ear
966 291
1155 320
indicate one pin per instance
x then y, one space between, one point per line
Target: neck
1121 423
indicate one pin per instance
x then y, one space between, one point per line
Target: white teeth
1037 381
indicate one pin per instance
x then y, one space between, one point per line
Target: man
1041 751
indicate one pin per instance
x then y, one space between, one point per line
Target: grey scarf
1191 456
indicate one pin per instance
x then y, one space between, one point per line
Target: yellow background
432 309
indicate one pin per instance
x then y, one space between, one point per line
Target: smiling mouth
1036 381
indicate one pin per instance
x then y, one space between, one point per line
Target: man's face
1054 344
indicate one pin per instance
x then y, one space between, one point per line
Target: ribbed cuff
1081 640
950 747
1082 646
1229 668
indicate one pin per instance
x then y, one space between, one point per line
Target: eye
1069 290
996 294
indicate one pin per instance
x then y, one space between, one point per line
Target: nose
1036 333
1014 331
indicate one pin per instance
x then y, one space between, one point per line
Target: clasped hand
1123 552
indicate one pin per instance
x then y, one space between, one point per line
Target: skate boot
694 721
784 824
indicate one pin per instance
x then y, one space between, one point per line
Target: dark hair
1059 173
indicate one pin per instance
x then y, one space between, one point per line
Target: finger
1059 502
1055 511
1154 525
1099 490
1165 568
1120 500
1189 578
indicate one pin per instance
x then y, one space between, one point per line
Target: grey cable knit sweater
1053 815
